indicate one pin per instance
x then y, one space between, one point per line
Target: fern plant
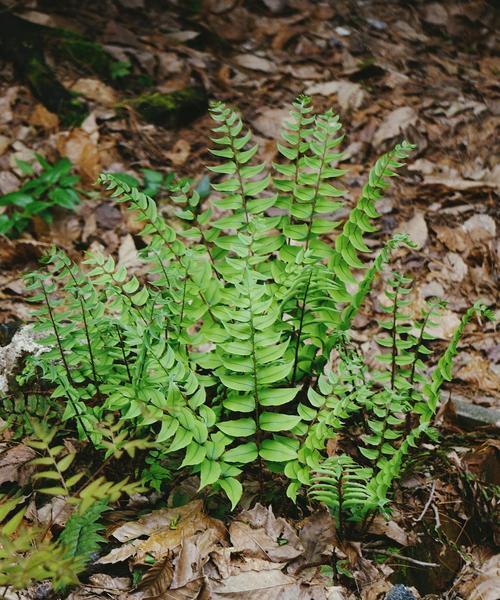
233 355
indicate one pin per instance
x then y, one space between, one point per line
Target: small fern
81 537
233 354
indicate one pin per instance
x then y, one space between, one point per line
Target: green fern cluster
233 355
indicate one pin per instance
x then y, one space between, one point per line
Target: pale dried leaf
96 90
270 121
255 63
41 117
255 585
416 228
127 253
179 153
395 124
379 526
349 95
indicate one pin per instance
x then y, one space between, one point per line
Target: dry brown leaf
12 460
481 583
127 253
480 227
96 90
317 534
270 121
455 268
259 533
158 578
55 512
446 325
395 124
379 526
255 585
82 150
478 371
179 153
120 554
349 95
416 228
41 117
255 63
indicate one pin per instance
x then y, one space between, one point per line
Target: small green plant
234 355
54 186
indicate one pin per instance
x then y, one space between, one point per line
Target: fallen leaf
259 533
179 153
481 583
317 534
416 228
390 529
96 90
455 268
82 150
127 253
458 184
41 117
158 578
480 227
4 143
255 585
255 63
446 325
479 372
12 461
120 554
55 512
269 122
349 95
395 124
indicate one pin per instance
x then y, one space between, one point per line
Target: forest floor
426 71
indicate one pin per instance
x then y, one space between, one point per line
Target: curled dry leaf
270 121
379 526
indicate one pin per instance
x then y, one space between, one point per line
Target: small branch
428 503
413 561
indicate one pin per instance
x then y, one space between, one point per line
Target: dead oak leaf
12 461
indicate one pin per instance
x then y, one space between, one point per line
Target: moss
173 109
81 51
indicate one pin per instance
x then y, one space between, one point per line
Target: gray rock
400 592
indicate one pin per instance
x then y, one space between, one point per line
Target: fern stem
122 348
255 380
299 330
63 358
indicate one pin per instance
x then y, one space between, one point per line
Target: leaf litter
364 63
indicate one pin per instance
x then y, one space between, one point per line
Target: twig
413 561
428 503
